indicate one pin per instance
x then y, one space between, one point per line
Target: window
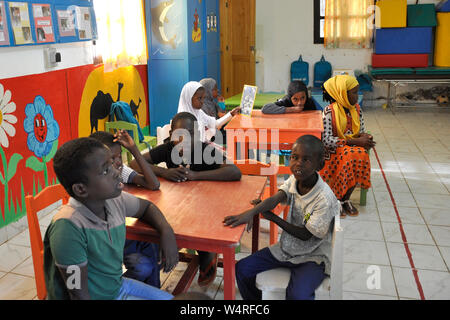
348 23
319 20
121 33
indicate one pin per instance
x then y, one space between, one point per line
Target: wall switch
52 57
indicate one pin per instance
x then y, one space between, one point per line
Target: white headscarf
185 105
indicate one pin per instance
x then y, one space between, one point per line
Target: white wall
284 30
27 60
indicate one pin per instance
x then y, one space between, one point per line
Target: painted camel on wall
101 106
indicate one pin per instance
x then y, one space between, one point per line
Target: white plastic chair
162 133
273 283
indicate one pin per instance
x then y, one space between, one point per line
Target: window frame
317 18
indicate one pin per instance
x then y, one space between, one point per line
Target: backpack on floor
322 72
300 71
121 111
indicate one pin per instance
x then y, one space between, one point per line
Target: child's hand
124 139
176 174
234 221
235 111
190 175
168 250
295 109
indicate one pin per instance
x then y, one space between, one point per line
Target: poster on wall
4 33
66 23
84 23
43 23
20 22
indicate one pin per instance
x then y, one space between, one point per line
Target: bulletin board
34 22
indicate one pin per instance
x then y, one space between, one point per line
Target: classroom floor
413 148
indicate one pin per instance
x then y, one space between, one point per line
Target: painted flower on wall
6 118
41 127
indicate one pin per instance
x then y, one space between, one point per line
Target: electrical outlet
52 57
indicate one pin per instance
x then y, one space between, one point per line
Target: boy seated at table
305 243
187 158
83 245
139 257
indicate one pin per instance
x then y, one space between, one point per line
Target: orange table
195 210
261 128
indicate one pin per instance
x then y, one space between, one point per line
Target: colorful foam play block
422 15
399 60
403 40
443 6
442 43
392 14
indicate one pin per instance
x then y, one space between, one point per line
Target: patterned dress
345 166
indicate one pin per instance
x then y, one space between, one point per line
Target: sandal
349 209
207 276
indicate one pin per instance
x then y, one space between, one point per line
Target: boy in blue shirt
83 245
305 243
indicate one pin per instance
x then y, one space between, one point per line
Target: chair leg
363 197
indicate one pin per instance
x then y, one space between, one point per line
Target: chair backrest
162 133
337 260
43 199
123 125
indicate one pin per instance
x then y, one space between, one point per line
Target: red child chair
43 199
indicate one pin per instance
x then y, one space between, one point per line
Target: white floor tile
15 256
445 251
427 187
23 238
402 199
347 295
356 278
362 251
432 200
25 268
405 283
407 215
17 287
439 217
423 256
435 285
441 234
362 230
415 233
366 213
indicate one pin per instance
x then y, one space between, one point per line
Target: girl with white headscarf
191 100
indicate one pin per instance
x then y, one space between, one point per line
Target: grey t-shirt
316 211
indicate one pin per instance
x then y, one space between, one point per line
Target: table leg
229 275
255 233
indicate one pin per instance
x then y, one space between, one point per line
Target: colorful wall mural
39 113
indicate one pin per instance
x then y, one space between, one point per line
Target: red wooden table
195 210
260 128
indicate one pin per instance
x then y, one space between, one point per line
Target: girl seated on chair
191 100
295 101
346 141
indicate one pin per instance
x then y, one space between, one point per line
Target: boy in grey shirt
305 243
